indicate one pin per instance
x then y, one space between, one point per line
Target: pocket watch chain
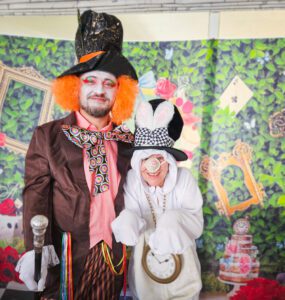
152 208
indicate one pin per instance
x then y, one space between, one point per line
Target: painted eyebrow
92 76
108 79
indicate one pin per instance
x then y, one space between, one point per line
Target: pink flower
164 88
179 101
190 119
231 248
187 107
245 264
189 154
2 139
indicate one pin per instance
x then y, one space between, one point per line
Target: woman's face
151 175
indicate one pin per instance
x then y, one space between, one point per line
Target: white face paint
98 92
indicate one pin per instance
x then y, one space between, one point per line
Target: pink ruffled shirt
102 211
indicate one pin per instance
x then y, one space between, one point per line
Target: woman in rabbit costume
163 210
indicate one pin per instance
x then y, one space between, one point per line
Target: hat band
158 137
88 56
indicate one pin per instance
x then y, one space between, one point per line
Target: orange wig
66 93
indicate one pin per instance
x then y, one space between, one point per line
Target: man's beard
95 111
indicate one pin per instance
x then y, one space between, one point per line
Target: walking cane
39 225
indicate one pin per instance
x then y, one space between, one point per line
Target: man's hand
26 267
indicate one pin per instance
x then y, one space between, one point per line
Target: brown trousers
97 281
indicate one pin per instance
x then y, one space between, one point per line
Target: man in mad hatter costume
163 210
75 170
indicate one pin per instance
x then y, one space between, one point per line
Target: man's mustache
100 96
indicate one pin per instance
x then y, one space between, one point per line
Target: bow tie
92 141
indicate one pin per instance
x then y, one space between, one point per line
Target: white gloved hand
26 267
127 227
171 235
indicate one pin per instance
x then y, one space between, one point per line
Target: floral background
193 75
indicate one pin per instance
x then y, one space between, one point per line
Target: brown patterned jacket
55 186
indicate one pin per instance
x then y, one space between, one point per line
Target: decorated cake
239 263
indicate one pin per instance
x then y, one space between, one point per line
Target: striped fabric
97 281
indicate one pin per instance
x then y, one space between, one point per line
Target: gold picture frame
27 76
240 157
277 124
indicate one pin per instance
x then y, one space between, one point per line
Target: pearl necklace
152 209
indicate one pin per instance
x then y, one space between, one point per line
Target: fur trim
144 115
125 99
66 92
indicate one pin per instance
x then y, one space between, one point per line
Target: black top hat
100 32
158 125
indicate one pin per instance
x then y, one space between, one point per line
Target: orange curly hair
66 93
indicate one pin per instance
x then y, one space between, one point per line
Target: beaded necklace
152 209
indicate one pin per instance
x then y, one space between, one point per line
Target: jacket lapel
123 165
74 156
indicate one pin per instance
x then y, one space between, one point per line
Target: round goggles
153 164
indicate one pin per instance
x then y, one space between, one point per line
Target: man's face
97 92
158 177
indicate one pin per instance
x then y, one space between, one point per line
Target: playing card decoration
236 95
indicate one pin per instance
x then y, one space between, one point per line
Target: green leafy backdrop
209 66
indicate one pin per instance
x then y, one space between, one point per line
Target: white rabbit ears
146 118
158 125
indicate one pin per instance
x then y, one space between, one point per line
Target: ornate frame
277 124
28 76
241 157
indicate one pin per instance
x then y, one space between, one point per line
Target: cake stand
236 287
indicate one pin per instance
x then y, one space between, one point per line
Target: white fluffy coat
176 231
